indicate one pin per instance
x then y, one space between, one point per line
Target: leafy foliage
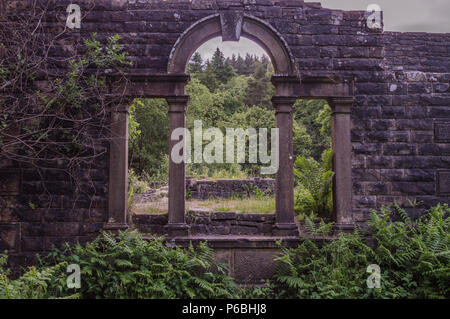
314 193
220 98
414 257
135 186
315 116
45 282
126 267
148 148
67 120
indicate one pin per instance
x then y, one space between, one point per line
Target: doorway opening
230 88
313 160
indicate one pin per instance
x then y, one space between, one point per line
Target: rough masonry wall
204 222
226 188
39 208
400 130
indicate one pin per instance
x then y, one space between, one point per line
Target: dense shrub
314 182
414 257
43 282
126 267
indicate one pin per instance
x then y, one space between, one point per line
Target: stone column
342 162
118 171
177 172
285 224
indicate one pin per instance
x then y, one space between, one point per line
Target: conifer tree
196 64
258 92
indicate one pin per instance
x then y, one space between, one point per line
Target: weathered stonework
391 88
226 188
203 222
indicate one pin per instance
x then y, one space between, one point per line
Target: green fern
413 256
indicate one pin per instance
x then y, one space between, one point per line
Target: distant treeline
224 92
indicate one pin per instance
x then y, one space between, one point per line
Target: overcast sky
404 15
399 15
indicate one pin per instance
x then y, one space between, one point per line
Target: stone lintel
314 87
146 76
146 85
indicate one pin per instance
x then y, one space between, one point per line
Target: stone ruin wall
205 222
400 118
204 189
228 188
401 127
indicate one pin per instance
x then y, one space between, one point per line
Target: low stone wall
210 223
250 260
226 188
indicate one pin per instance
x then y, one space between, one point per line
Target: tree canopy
232 92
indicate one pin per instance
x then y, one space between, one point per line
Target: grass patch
262 205
248 205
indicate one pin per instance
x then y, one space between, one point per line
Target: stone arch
289 86
231 26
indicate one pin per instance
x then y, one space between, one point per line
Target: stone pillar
118 171
342 162
177 172
284 190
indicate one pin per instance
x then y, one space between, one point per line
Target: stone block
442 132
219 229
443 182
399 149
255 265
434 149
223 216
244 230
10 237
413 188
199 229
9 182
252 217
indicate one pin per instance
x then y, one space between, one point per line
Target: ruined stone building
389 94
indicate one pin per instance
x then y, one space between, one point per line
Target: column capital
178 99
283 100
177 104
119 105
341 104
283 104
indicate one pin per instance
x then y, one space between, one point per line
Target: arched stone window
289 86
